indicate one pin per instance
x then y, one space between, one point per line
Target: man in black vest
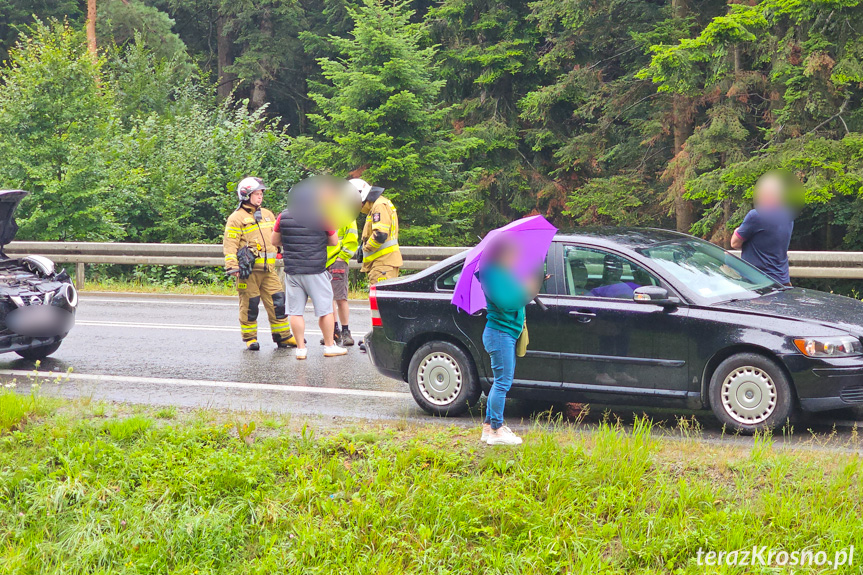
304 251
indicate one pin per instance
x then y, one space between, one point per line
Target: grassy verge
101 488
120 286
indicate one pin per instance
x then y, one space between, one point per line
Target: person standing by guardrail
251 256
338 257
765 234
379 253
304 251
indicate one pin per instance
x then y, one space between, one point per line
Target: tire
443 379
750 392
41 352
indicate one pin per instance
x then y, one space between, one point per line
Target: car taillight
373 304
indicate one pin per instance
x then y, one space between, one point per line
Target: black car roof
627 237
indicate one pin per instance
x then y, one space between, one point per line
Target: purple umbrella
533 234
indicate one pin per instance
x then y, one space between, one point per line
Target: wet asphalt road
186 351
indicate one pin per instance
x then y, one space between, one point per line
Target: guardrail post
79 275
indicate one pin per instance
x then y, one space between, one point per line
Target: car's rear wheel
40 352
443 379
750 392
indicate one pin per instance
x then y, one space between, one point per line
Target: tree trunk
684 211
262 82
91 27
225 57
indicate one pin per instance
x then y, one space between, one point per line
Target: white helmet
247 186
368 192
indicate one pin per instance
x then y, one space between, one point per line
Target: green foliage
57 123
126 147
380 113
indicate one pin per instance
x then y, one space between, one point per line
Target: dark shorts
339 271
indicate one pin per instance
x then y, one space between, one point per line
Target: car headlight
841 346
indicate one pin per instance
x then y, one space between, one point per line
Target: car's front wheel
443 379
40 352
749 392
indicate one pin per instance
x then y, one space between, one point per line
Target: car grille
852 394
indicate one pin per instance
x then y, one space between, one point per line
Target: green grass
133 494
120 286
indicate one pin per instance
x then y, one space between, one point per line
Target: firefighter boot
253 345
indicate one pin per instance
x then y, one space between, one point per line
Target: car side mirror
654 294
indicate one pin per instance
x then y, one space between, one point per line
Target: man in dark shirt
765 233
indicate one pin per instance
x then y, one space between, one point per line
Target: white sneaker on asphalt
503 436
334 350
301 353
486 431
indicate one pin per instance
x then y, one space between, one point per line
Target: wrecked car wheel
37 353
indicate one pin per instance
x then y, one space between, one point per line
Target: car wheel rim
440 378
749 395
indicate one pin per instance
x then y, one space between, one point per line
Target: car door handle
582 316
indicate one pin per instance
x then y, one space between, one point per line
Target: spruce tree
380 116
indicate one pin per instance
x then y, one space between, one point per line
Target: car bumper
386 355
824 384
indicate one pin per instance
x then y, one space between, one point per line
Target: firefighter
251 256
379 252
338 257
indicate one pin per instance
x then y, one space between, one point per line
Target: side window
596 273
447 280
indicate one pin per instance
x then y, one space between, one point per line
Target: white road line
171 326
187 303
50 376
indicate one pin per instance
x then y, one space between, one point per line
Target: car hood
9 200
809 305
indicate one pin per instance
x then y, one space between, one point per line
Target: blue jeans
501 348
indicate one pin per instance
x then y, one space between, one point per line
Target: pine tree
381 116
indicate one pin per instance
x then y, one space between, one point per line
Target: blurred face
769 192
256 198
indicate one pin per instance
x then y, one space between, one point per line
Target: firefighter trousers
380 272
263 286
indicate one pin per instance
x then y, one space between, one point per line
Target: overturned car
37 303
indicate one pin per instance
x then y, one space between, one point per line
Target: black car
37 303
635 317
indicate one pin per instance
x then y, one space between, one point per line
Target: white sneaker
503 436
334 350
486 431
301 353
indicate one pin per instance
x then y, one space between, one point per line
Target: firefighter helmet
247 186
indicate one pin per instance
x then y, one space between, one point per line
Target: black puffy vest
304 250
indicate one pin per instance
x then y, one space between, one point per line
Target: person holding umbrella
503 274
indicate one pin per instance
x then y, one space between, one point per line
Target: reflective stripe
233 229
230 257
268 260
381 227
254 227
387 247
249 329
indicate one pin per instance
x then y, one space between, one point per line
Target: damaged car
37 302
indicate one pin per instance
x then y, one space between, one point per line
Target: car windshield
709 271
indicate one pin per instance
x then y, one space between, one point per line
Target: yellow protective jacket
349 241
241 230
381 236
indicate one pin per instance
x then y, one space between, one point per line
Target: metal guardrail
804 264
196 255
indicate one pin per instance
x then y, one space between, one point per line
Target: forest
470 112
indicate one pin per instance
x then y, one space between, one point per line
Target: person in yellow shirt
380 253
338 257
251 256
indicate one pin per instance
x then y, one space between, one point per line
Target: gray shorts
339 271
304 286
